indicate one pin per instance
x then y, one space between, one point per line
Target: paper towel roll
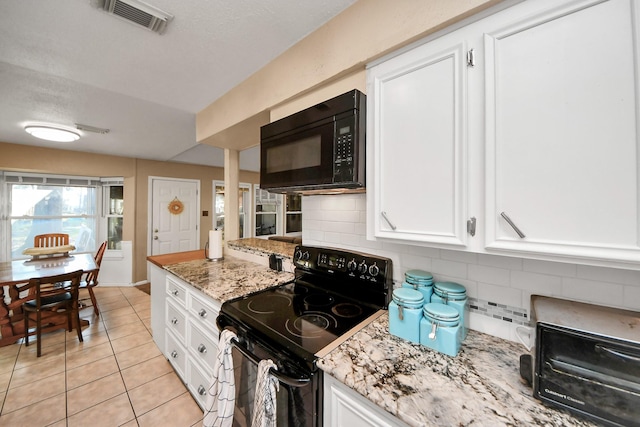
214 247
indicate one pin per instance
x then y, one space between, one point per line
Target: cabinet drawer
176 320
197 382
203 312
176 354
202 345
176 291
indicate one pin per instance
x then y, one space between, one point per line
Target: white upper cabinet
542 132
416 145
561 136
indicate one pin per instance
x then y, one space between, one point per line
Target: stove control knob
374 270
298 254
362 268
352 265
305 255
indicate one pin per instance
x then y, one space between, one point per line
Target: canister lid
407 296
418 275
451 289
438 311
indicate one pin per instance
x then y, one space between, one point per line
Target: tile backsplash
499 287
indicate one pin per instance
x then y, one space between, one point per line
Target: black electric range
332 292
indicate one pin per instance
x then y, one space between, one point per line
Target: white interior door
174 215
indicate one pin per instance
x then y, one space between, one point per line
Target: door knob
155 237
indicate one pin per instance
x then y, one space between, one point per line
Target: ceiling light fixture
49 132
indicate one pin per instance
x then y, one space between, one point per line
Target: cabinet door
562 141
345 407
416 146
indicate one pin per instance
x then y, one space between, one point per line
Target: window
244 205
293 214
39 205
267 216
114 209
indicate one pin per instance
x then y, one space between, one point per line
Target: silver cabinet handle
175 292
202 313
515 228
174 321
384 215
174 354
202 349
202 391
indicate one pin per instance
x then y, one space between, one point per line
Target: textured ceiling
67 62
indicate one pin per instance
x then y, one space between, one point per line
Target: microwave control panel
344 151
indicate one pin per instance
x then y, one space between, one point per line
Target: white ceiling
67 62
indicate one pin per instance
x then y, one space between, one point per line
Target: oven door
298 397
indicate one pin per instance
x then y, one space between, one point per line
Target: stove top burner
269 304
311 324
318 300
346 309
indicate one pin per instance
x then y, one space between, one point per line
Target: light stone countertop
263 247
481 386
228 278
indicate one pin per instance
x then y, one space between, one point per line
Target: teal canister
405 313
455 295
421 281
440 328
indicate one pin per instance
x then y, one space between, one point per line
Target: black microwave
319 150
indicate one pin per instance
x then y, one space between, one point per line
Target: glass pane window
115 210
41 208
265 224
293 221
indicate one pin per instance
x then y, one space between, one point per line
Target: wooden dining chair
50 295
90 280
50 240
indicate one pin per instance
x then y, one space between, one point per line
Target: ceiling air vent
139 13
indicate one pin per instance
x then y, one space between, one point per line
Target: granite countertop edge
481 386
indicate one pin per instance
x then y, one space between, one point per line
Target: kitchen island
187 291
481 386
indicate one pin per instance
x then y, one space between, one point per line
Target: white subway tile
615 275
332 237
361 202
594 292
491 326
510 263
415 262
341 202
547 267
500 294
460 256
338 227
536 283
493 275
343 216
449 268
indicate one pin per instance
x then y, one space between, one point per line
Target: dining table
14 274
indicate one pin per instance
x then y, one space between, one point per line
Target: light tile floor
116 377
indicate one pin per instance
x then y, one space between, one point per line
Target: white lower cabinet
346 407
190 335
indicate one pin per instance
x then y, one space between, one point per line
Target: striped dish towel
264 403
221 394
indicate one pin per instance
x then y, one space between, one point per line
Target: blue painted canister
405 313
455 295
421 281
440 328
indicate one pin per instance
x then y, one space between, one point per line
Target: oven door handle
285 379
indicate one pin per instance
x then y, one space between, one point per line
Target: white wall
499 287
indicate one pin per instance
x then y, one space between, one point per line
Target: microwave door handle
618 353
285 379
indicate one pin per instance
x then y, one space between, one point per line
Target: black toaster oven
586 359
